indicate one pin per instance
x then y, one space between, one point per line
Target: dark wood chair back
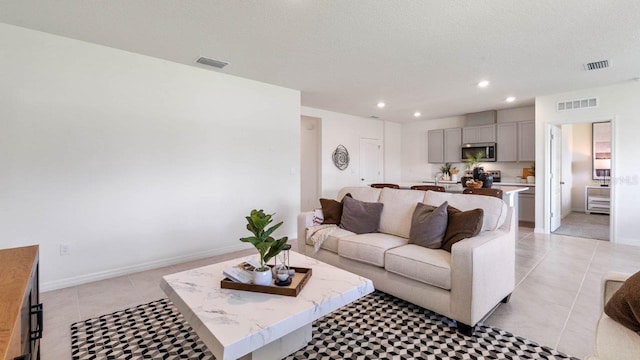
428 187
486 192
382 185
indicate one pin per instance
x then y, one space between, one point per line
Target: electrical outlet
64 249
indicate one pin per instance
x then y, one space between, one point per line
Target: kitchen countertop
457 187
502 183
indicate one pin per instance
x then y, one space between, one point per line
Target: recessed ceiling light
381 104
483 83
417 114
510 99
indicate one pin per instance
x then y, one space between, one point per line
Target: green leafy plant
267 246
474 161
444 169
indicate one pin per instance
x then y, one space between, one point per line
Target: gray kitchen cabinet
507 142
527 204
479 134
435 146
526 141
452 145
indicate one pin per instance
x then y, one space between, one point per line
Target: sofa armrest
482 274
305 220
611 282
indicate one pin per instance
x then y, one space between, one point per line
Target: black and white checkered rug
378 326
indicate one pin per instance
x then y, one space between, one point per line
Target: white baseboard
107 274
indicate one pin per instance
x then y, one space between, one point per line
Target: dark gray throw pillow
428 225
360 217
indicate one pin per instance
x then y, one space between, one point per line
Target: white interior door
567 174
370 161
309 163
556 178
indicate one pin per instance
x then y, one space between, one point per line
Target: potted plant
454 173
473 164
267 246
444 170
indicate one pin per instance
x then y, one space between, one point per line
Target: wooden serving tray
299 280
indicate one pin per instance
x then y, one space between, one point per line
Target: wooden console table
20 307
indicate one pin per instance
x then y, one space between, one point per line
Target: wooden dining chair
383 185
428 187
486 192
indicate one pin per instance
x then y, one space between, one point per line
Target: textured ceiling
345 56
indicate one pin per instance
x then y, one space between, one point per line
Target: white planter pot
262 277
454 177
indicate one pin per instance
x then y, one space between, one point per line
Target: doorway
578 171
370 161
310 162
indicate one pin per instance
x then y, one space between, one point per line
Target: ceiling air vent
211 62
596 65
577 104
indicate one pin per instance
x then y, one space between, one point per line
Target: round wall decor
341 157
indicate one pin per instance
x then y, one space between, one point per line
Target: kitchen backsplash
510 170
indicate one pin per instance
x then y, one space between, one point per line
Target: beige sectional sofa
463 285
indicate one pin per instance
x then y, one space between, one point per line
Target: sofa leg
506 299
465 329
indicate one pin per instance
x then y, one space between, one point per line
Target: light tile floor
556 301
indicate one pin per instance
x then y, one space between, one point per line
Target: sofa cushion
616 342
495 210
359 216
624 305
462 225
428 225
332 210
399 205
369 248
328 236
361 193
429 266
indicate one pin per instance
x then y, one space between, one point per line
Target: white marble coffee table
240 324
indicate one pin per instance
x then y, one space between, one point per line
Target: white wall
310 170
339 128
132 161
567 169
415 167
616 102
392 152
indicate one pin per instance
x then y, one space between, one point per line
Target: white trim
547 170
125 270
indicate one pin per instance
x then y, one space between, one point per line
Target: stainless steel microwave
488 149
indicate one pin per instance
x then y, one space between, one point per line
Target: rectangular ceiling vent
211 62
603 64
577 104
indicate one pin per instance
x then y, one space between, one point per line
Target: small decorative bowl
476 185
282 275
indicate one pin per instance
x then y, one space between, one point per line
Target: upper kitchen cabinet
435 145
479 134
507 142
452 145
526 141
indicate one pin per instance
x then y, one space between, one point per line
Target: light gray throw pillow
428 225
360 217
